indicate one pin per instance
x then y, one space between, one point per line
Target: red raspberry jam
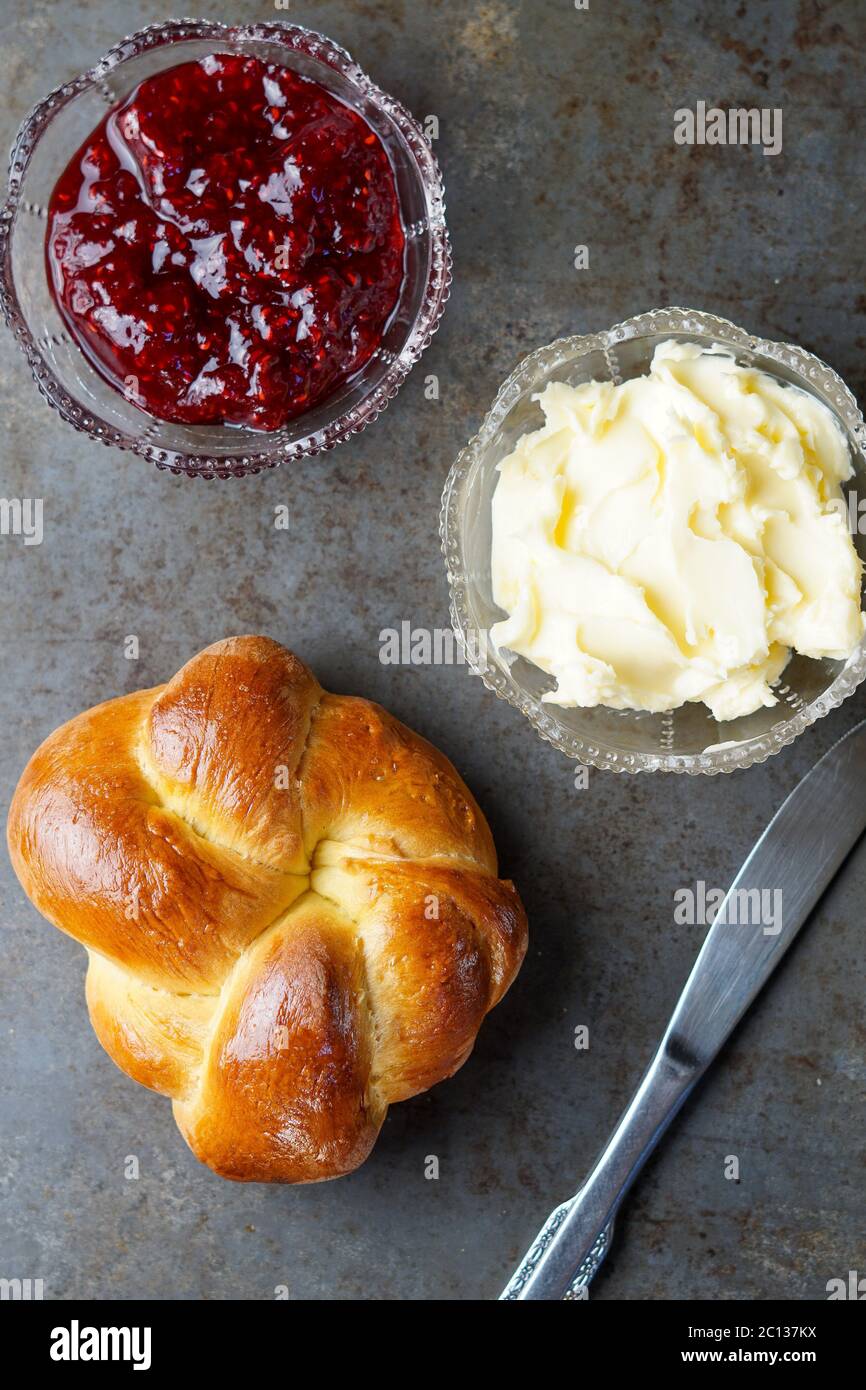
227 246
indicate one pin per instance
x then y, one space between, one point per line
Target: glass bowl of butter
653 544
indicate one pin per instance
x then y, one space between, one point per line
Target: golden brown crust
224 740
157 1037
369 780
285 1093
290 902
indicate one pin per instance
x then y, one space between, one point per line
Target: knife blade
796 857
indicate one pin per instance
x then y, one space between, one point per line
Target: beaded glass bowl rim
436 289
498 678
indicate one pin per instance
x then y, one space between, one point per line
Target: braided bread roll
289 902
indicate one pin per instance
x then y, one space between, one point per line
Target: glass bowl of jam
222 247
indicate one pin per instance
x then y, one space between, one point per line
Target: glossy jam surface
227 246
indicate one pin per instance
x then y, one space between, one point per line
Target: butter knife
798 855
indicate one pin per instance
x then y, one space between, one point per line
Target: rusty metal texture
555 130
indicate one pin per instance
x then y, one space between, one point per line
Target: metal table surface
555 130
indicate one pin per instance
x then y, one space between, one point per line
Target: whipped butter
675 537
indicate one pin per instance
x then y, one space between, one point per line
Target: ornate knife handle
575 1238
576 1291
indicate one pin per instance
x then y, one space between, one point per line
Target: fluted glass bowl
71 384
688 739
